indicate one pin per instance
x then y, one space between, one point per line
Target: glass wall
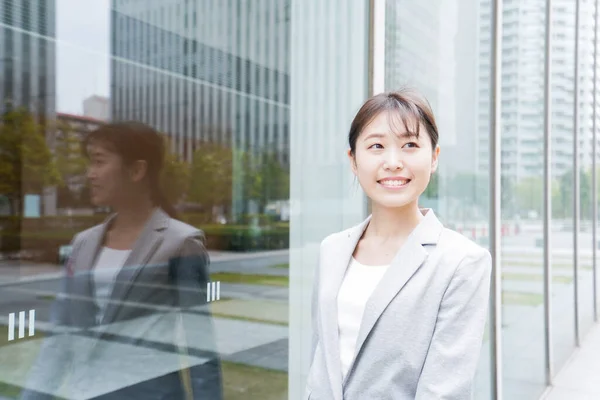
563 318
213 79
239 94
585 299
443 49
250 103
451 64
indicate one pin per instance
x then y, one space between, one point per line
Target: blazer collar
403 266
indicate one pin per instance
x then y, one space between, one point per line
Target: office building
196 80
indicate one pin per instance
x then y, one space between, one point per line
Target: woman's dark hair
134 141
406 106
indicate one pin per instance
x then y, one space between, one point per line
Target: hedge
44 236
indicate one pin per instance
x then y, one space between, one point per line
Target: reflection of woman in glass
134 288
400 302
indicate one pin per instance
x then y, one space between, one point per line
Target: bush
44 236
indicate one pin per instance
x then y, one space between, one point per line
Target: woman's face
110 180
392 165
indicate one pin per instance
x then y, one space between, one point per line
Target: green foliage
175 177
70 160
211 175
217 169
26 162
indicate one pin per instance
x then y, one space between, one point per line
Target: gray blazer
165 274
422 329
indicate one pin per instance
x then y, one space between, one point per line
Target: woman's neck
394 223
132 217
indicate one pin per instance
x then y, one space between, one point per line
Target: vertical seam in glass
376 67
495 215
594 163
547 199
576 180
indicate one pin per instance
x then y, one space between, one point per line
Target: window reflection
194 306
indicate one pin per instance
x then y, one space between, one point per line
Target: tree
211 176
563 195
175 177
27 165
529 194
507 195
272 179
70 162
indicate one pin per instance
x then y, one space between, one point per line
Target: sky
82 52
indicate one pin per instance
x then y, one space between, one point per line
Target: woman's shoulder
86 233
183 231
461 247
332 237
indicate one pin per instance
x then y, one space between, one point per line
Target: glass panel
136 310
563 187
442 49
522 199
586 278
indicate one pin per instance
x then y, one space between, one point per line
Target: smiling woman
398 289
387 150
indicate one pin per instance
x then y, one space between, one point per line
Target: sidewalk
580 377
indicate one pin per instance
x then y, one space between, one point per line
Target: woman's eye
375 146
411 145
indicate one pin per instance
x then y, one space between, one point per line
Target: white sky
82 52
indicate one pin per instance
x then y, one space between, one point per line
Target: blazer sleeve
189 272
453 355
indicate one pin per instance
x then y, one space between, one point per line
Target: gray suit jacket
165 274
422 329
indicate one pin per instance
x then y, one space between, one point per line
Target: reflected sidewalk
578 380
15 271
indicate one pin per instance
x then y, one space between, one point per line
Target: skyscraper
27 55
28 63
523 49
177 69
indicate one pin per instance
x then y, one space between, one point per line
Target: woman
130 281
400 302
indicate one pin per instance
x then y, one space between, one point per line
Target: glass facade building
254 99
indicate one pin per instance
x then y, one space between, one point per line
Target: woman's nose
393 161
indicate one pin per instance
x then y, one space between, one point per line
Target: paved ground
580 378
251 320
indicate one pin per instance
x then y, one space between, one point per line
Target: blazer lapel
333 269
92 245
405 264
144 247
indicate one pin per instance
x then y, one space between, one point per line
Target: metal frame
594 162
576 179
495 214
377 46
547 196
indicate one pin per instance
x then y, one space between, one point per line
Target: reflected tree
27 165
272 178
175 177
71 165
211 176
529 194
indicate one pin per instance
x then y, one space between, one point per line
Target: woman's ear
434 159
352 159
138 171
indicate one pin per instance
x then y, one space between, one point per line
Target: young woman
400 302
129 282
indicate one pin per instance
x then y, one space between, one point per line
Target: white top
110 261
359 283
